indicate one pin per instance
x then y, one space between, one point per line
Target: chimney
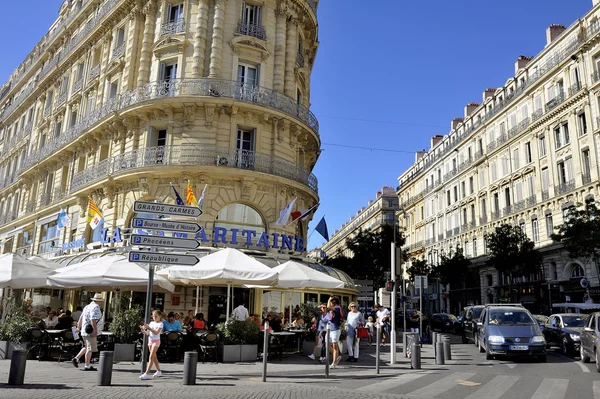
521 62
553 31
487 93
419 155
470 108
437 138
455 122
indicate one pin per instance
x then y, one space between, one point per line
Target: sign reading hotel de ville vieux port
161 241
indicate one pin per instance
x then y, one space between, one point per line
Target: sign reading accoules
166 209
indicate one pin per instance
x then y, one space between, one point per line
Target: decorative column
290 59
133 56
103 65
147 42
279 69
200 38
216 50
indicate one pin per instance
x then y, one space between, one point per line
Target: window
472 213
565 131
562 173
585 162
168 71
549 225
251 14
516 158
248 78
161 139
557 137
494 171
507 201
471 185
245 147
49 235
114 88
463 189
73 120
523 228
582 124
502 128
57 129
535 233
545 179
528 157
25 242
497 202
240 217
483 208
474 247
542 146
481 179
120 38
64 85
174 12
577 271
455 193
448 197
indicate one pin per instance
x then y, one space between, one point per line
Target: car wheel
565 347
584 358
481 350
488 355
542 359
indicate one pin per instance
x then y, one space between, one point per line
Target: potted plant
13 329
309 312
125 327
240 340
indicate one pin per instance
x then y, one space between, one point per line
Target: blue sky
387 76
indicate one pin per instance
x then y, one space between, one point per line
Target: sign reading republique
165 259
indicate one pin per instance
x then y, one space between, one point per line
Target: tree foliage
580 233
452 267
512 252
418 267
371 255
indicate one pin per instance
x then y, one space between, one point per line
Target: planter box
124 353
248 353
7 348
308 347
231 353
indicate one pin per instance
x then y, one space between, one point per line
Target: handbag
89 329
362 333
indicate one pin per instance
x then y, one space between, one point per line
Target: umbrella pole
227 309
197 297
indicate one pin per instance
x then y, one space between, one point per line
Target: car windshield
574 321
509 318
450 317
477 312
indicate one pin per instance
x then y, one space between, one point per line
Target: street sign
420 281
166 242
167 225
166 209
165 259
364 298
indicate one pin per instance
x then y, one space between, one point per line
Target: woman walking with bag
354 321
153 331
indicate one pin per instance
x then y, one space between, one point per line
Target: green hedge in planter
238 332
126 325
16 322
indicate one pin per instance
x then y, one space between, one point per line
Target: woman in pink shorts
153 331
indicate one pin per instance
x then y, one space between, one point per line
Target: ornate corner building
522 155
121 98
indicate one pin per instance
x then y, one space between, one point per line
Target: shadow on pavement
38 386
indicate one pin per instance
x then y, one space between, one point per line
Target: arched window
240 217
577 271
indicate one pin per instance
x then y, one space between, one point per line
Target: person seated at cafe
198 323
275 323
51 320
65 321
254 319
189 318
171 324
48 310
298 322
77 313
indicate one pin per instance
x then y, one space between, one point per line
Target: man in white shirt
240 313
383 315
77 313
91 316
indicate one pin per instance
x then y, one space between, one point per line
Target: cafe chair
171 344
68 345
208 346
39 342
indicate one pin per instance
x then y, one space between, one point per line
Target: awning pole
197 298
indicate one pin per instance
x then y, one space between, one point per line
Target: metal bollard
17 367
433 340
265 351
439 353
377 349
447 349
415 357
190 367
327 350
105 367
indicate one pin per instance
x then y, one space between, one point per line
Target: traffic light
389 286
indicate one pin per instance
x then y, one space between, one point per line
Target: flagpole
307 212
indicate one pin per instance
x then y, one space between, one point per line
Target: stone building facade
522 155
121 98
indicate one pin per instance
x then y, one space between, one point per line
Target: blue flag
63 219
322 228
178 199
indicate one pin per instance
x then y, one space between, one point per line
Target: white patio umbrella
19 272
298 275
105 272
227 266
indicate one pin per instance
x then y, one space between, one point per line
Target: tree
452 267
418 267
580 233
371 255
512 252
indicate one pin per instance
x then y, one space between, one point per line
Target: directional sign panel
166 209
165 259
165 242
167 225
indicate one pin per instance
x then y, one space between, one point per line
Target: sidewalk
295 376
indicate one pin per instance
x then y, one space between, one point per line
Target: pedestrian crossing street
471 385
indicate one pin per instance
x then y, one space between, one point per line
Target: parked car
541 319
564 330
469 326
443 322
590 342
510 331
458 325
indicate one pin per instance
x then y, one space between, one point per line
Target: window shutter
569 169
162 71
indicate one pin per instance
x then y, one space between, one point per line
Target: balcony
512 132
537 115
595 76
483 220
531 201
300 59
507 210
451 174
194 155
456 230
204 87
61 99
586 178
478 155
250 29
95 71
119 51
555 102
465 164
519 206
496 215
545 195
491 146
77 85
173 27
501 139
565 187
448 233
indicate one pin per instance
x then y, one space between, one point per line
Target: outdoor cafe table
282 336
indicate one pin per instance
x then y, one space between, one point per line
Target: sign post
420 284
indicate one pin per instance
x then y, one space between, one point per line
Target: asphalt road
467 375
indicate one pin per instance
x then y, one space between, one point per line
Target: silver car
590 344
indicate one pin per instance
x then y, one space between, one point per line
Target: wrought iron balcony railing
61 99
77 85
496 215
483 220
118 51
537 114
555 102
250 29
545 195
575 88
175 88
586 178
173 27
531 201
194 155
95 71
565 187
